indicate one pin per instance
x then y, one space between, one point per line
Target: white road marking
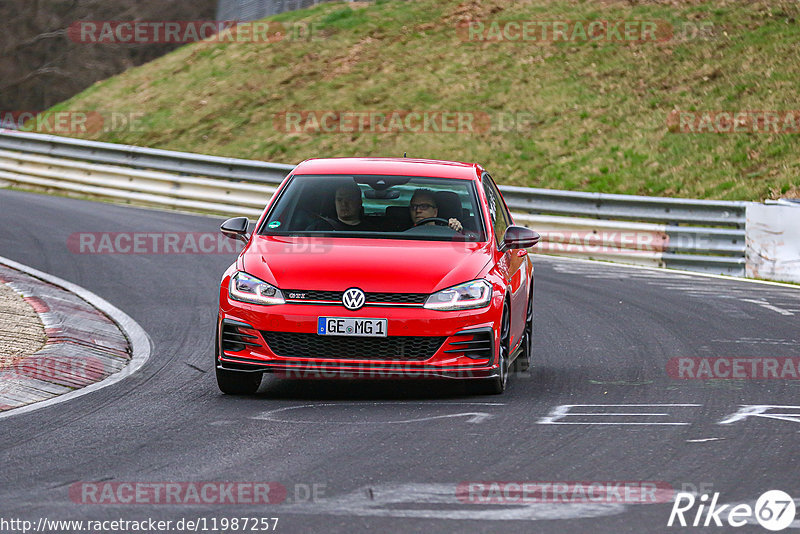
563 411
758 341
472 417
760 410
654 272
766 305
703 440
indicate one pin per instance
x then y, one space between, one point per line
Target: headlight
475 294
250 289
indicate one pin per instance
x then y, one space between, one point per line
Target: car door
511 262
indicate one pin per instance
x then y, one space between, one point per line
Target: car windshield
392 207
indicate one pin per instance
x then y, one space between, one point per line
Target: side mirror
236 228
519 237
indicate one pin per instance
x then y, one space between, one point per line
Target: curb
91 343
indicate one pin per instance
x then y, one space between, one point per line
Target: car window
497 210
377 206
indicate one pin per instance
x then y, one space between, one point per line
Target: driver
348 204
349 211
423 206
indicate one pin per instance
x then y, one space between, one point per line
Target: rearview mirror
236 228
519 237
382 194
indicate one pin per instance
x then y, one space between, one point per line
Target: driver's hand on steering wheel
455 224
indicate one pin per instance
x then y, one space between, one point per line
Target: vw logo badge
353 298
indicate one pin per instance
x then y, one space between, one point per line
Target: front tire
523 361
238 382
497 385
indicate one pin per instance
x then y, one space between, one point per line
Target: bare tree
40 66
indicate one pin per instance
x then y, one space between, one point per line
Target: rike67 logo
774 510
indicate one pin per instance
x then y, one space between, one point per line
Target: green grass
595 113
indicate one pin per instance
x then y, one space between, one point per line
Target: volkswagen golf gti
385 268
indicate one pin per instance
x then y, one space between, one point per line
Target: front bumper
467 348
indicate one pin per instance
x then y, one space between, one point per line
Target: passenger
423 206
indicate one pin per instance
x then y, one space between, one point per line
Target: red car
378 268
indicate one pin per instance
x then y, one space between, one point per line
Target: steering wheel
436 220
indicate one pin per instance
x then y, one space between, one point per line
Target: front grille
477 345
397 298
371 298
238 336
313 295
402 348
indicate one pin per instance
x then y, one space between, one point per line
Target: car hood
374 265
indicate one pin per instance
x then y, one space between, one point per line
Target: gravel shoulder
21 330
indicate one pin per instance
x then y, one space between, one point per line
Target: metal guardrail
626 207
145 158
697 235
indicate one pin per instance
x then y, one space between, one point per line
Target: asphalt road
388 457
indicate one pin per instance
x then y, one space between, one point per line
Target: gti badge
353 298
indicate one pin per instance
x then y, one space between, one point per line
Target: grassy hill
593 116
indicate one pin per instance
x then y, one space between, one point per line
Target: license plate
351 326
